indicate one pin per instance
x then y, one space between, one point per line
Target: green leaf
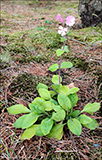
55 79
62 89
52 93
66 65
19 121
65 49
48 105
89 108
38 100
59 52
53 101
54 67
74 126
64 102
74 114
18 108
72 90
92 125
84 119
44 93
29 132
37 107
67 31
46 125
41 85
56 132
59 115
56 87
63 39
73 98
39 131
30 119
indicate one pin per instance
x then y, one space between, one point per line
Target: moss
30 45
86 35
80 63
25 84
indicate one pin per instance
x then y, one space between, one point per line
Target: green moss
30 45
86 35
26 83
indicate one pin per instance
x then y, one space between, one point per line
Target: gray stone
90 12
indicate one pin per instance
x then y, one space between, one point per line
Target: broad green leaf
39 131
30 119
46 125
29 132
53 101
74 114
48 105
65 49
89 108
19 121
56 87
52 93
74 126
18 108
44 93
72 90
64 102
63 39
73 98
84 119
59 52
55 79
37 107
59 115
54 67
41 85
56 132
66 65
38 100
92 125
63 89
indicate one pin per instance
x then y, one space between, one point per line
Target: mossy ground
29 40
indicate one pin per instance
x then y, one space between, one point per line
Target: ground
29 40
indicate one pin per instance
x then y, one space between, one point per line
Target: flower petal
70 20
58 17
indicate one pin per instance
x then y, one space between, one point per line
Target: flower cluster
62 30
70 20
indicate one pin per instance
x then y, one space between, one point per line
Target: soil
29 41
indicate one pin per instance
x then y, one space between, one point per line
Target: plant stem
61 61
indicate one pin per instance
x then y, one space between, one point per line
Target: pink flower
62 31
58 17
70 20
62 20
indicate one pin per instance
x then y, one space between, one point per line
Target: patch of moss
80 63
86 35
30 45
25 85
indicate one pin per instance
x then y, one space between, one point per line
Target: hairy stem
61 61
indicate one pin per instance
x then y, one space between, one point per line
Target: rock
90 12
